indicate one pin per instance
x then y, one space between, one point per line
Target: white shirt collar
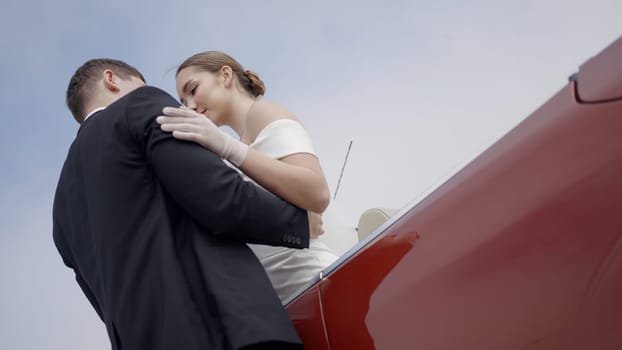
93 112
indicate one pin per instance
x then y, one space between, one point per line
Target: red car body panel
520 249
306 315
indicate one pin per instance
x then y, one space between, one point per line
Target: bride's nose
191 105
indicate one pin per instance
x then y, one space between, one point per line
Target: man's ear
227 74
111 81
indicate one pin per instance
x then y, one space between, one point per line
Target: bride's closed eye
194 90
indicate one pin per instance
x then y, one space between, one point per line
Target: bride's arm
296 178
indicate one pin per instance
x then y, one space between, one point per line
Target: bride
274 151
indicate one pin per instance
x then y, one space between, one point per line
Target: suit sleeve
213 194
89 295
59 241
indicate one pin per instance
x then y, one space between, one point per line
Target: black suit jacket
155 230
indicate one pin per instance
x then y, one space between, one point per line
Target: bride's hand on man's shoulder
186 124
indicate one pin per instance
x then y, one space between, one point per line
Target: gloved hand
186 124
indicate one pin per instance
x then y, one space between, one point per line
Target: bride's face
204 92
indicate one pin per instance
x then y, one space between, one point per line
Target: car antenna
342 169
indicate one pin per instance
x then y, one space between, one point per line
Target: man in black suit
155 228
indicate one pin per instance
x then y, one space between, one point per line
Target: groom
155 228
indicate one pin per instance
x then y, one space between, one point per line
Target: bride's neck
240 107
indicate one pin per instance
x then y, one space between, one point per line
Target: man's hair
82 82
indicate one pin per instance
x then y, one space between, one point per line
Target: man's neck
99 103
93 111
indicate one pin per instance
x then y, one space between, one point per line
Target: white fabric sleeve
282 138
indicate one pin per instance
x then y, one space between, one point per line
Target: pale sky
420 88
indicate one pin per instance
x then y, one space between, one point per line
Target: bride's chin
218 121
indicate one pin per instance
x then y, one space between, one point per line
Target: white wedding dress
289 269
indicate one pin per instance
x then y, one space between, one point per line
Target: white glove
186 124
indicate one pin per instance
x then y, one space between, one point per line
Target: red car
521 249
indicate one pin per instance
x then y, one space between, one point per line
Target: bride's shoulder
262 113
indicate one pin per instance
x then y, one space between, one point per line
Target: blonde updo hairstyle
213 61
